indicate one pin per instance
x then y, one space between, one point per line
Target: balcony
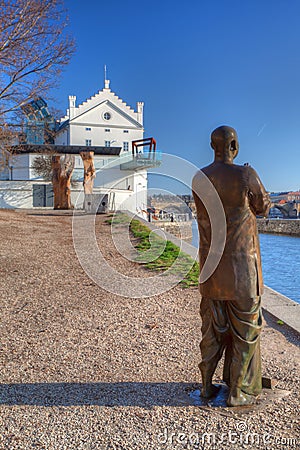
141 159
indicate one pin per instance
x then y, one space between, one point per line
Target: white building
102 120
103 124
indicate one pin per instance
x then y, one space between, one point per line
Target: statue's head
225 144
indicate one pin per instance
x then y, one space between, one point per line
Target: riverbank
182 230
288 227
85 369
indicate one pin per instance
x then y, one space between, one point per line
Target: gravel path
81 368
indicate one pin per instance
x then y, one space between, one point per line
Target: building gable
106 114
102 98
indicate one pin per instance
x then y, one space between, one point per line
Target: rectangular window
125 131
88 129
125 146
107 130
107 143
88 142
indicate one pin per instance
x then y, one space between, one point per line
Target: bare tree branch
33 49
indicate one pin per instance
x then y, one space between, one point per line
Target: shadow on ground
101 394
144 395
289 333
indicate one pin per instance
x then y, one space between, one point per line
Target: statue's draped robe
230 305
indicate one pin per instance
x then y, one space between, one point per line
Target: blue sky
197 65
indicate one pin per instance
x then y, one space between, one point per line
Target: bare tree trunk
62 173
89 173
55 181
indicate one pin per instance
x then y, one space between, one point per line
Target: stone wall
182 230
281 226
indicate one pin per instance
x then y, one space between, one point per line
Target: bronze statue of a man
231 298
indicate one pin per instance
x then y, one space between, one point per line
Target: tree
59 170
33 50
89 171
61 180
42 167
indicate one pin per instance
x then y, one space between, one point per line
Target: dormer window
107 116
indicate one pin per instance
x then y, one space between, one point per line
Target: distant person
231 298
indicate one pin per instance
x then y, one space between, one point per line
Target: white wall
20 170
19 194
97 135
15 194
62 138
140 189
90 114
102 97
32 175
92 126
111 177
116 198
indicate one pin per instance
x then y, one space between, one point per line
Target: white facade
103 120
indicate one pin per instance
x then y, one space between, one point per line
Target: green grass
166 259
117 219
169 255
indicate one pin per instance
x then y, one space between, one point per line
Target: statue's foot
209 391
241 399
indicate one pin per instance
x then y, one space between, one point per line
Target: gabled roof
112 106
105 95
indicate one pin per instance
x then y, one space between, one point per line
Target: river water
280 260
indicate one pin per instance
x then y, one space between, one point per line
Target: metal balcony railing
143 160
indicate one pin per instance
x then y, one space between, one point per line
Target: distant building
276 197
285 205
293 196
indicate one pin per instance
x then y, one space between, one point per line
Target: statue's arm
259 199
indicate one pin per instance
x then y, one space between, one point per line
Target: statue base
218 403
